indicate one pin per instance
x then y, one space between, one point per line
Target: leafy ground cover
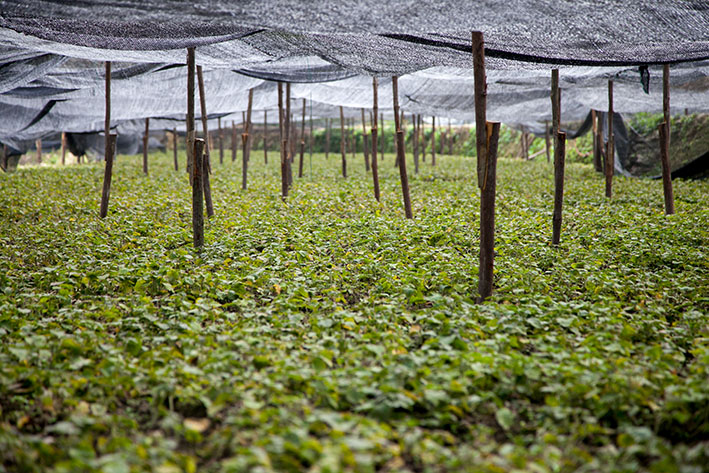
330 334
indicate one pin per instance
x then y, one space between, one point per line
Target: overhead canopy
51 52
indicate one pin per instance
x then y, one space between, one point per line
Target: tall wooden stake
415 143
546 141
197 193
597 164
108 149
189 126
665 143
289 137
234 141
342 142
401 150
38 145
450 138
220 138
302 142
351 136
246 142
610 150
375 165
146 138
284 143
174 149
206 187
63 148
433 141
559 162
327 138
366 142
381 148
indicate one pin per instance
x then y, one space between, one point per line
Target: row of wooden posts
487 136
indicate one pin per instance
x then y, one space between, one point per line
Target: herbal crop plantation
328 333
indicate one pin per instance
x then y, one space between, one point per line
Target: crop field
328 333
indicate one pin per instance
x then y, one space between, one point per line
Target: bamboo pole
596 144
433 141
342 142
234 141
415 143
174 149
63 148
197 193
284 143
220 139
265 137
206 187
381 149
366 142
310 137
352 138
665 143
480 103
146 138
108 150
189 125
559 163
547 145
450 138
401 150
375 165
246 142
289 137
610 147
302 142
423 139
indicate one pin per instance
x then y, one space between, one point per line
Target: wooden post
352 137
108 149
610 149
480 103
284 143
189 126
63 148
423 139
487 212
246 142
415 143
547 145
342 142
302 142
310 138
38 145
174 149
401 150
265 137
205 161
381 149
665 143
555 95
433 141
559 163
450 138
146 137
327 138
366 142
197 193
289 137
375 165
596 147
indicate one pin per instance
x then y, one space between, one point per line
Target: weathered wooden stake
146 138
665 143
174 149
327 138
559 163
108 149
450 138
375 165
220 139
38 145
189 125
547 145
283 142
302 142
597 165
480 84
342 142
246 142
610 149
381 148
289 137
401 150
233 141
206 187
433 141
415 143
366 142
487 212
63 148
197 193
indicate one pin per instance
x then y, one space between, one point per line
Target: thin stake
342 142
233 141
381 149
547 145
63 148
284 143
559 163
610 150
401 151
375 166
327 138
415 144
146 136
433 141
450 138
366 142
197 193
302 142
174 149
265 137
487 212
220 138
289 137
665 143
246 142
108 150
189 126
206 187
